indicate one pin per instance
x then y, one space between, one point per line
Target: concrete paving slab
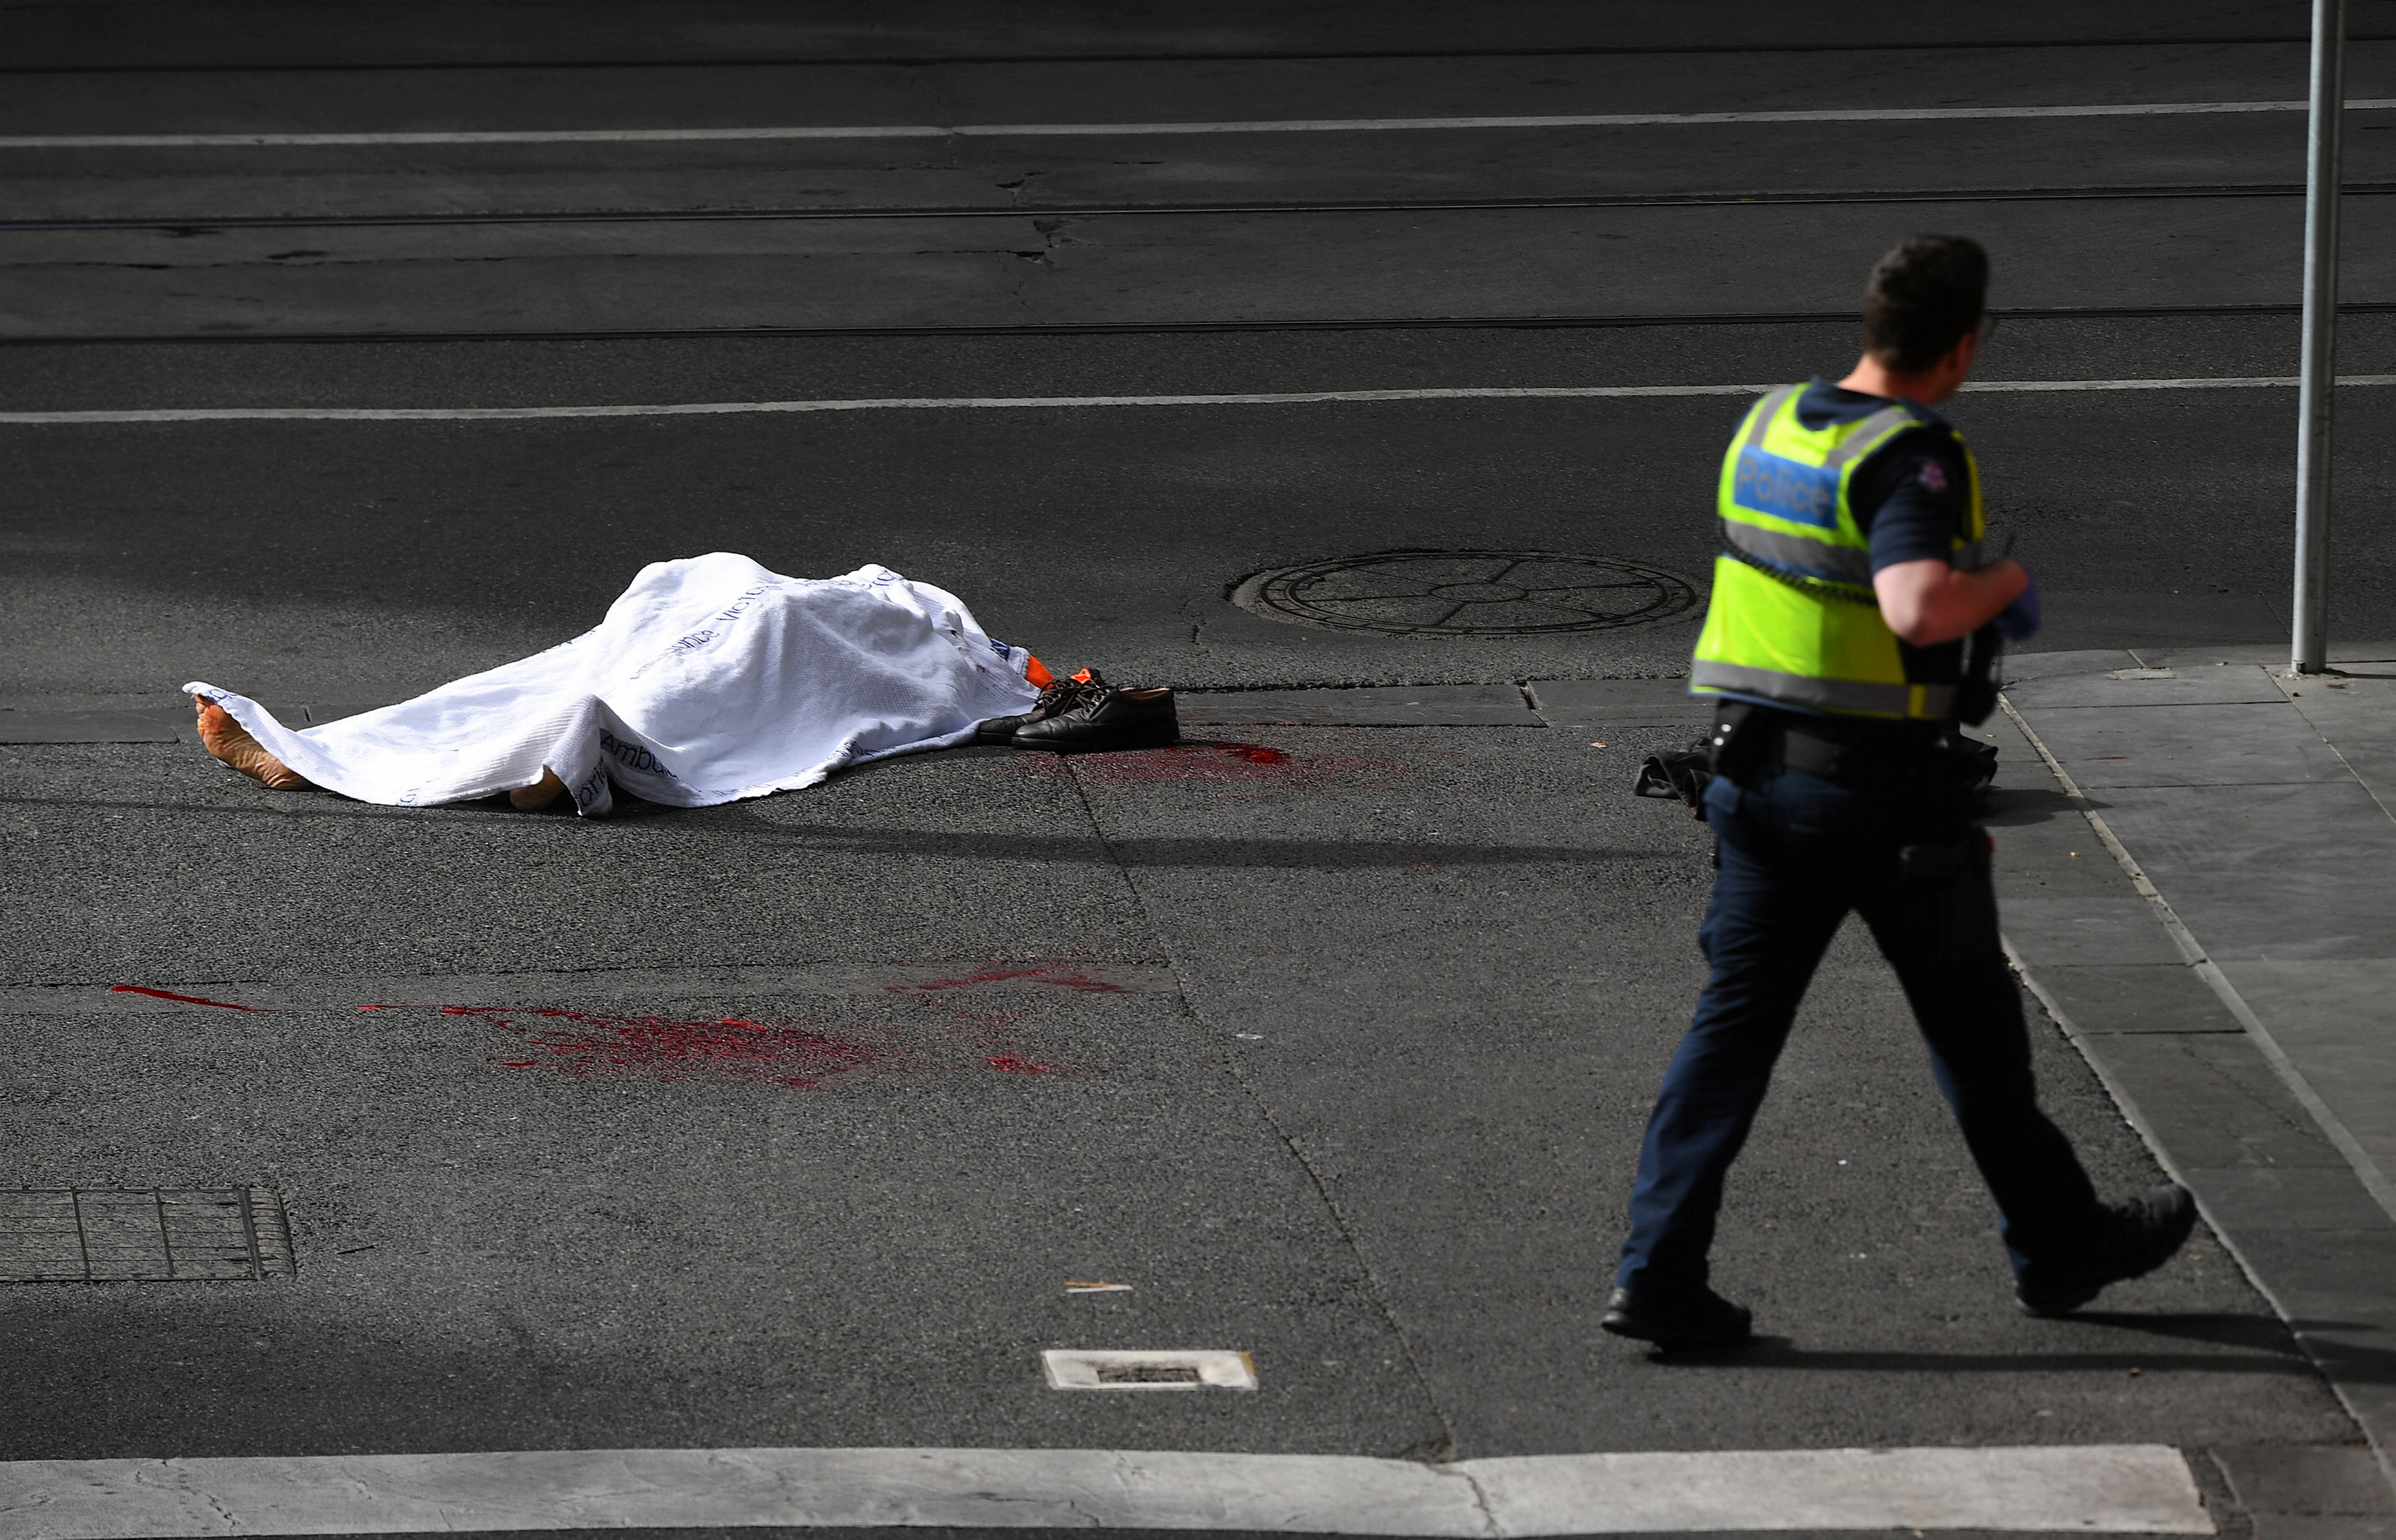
2320 1492
2136 684
2021 666
2337 1018
2356 711
2256 744
1412 706
2210 1100
2328 1277
2152 997
1605 702
2248 1198
2266 872
2045 848
2373 760
2270 657
2119 929
2316 1479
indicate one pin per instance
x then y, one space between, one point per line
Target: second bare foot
539 794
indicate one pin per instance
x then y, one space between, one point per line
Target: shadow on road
2272 1351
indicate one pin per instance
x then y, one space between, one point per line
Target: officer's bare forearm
1926 603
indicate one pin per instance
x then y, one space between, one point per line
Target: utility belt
1913 756
1747 740
1908 759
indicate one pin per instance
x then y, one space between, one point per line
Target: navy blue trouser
1797 853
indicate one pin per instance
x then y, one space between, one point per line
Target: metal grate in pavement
99 1234
1113 1368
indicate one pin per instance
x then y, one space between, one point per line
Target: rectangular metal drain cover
1113 1368
86 1235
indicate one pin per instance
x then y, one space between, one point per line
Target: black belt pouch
1953 892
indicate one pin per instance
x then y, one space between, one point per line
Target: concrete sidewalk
2194 854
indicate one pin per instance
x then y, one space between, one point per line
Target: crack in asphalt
1290 1139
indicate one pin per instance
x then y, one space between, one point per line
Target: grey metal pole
2310 647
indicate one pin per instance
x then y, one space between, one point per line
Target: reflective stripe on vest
1846 696
1796 555
1793 617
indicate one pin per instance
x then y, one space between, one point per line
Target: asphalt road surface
1332 1041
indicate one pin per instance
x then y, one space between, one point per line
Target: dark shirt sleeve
1910 498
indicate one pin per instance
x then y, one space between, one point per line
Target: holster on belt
1950 889
1737 744
1975 692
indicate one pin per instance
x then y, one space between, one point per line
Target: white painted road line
1112 130
925 404
2143 1489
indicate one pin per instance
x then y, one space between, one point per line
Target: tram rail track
1168 329
1221 57
191 224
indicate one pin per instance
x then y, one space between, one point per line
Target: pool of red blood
725 1049
737 1050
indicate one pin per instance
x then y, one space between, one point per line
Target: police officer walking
1849 585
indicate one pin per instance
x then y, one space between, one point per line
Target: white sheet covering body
711 680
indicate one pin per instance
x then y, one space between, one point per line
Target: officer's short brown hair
1925 296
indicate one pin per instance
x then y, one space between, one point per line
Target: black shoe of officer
1106 716
2140 1235
1673 1319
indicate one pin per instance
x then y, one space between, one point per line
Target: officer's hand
2018 622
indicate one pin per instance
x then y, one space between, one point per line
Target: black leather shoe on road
1105 716
1055 697
1679 1318
2140 1234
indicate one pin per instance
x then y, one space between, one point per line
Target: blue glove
2019 621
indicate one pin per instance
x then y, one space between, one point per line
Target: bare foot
539 794
231 742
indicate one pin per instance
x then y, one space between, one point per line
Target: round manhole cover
1466 593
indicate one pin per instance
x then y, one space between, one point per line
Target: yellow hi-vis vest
1794 619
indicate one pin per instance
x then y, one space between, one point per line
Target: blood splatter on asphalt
187 1000
991 1032
729 1049
738 1050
